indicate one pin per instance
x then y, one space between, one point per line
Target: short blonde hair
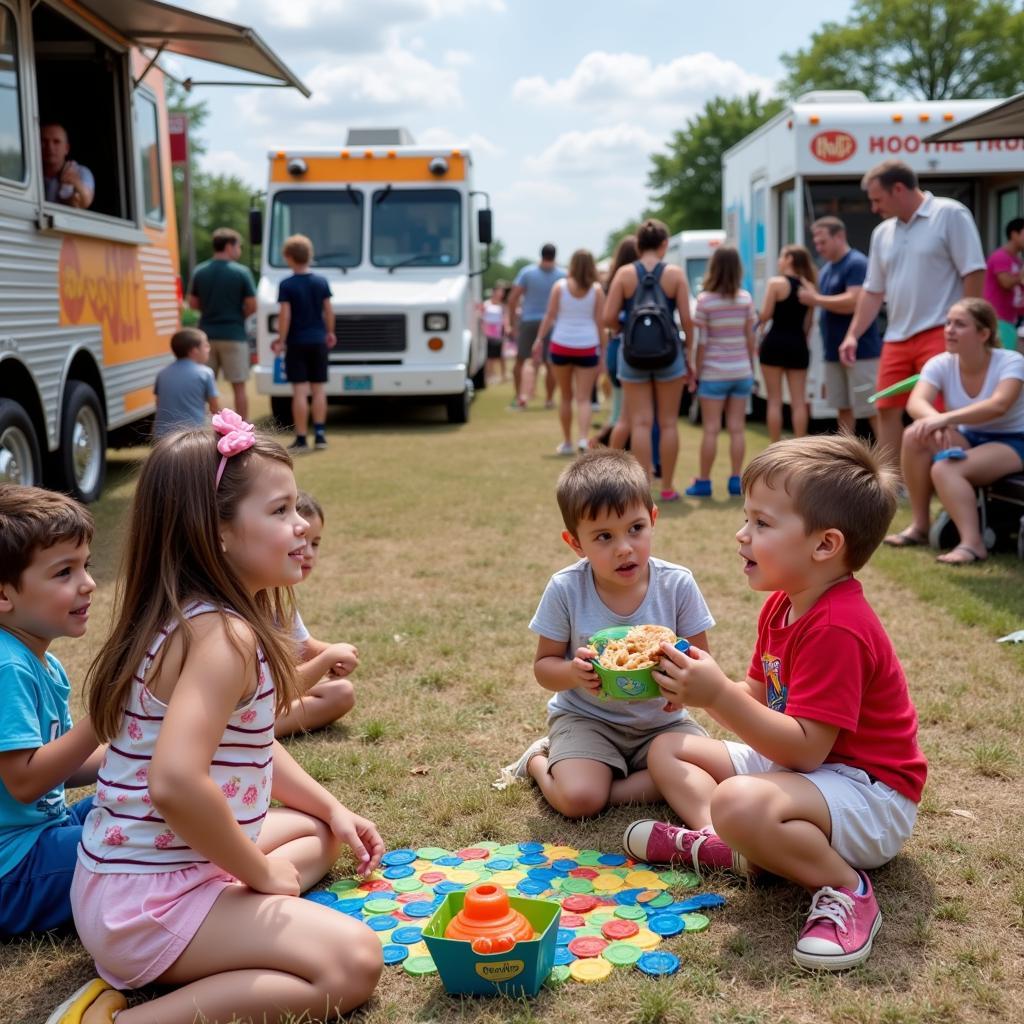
600 480
836 482
299 248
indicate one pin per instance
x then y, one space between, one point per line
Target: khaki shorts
231 358
850 387
623 749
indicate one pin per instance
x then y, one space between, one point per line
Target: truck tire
457 406
281 410
480 378
20 462
79 466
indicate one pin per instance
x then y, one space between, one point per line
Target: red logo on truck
833 147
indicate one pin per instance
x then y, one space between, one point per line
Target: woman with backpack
653 363
784 350
574 320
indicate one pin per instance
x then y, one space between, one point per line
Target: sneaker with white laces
95 1002
840 929
565 448
655 842
519 769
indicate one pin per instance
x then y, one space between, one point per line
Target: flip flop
975 557
954 454
905 539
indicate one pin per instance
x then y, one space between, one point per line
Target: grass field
438 544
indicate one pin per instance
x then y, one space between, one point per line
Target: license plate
360 382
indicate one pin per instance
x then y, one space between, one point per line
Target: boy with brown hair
45 592
827 779
187 387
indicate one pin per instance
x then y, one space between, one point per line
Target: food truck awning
168 29
1003 121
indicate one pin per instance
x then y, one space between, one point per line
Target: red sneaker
839 930
656 842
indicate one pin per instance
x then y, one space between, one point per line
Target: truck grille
370 332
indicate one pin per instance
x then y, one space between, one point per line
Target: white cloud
597 152
458 58
477 143
228 162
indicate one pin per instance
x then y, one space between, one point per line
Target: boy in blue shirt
305 327
45 592
185 388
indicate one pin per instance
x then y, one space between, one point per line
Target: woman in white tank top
574 317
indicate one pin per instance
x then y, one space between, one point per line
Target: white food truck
394 232
692 251
807 162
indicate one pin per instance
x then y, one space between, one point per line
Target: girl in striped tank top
186 876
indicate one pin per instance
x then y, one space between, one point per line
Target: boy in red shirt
828 779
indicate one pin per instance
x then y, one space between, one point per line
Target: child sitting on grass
323 669
596 750
827 779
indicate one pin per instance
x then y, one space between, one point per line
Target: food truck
401 236
807 162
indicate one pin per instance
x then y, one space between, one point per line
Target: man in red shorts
924 256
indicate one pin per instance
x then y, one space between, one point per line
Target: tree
687 181
611 243
499 270
922 49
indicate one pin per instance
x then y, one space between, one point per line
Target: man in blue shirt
847 388
533 285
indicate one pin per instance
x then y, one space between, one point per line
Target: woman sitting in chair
978 439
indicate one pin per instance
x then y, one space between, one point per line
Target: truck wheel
80 462
19 448
281 410
457 406
480 378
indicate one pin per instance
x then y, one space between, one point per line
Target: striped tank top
124 833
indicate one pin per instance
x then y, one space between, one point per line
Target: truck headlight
435 321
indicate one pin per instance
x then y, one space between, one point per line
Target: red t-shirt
836 665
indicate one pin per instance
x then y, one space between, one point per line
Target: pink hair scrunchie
236 436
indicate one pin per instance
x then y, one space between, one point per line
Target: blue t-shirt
34 699
537 283
835 278
182 391
305 294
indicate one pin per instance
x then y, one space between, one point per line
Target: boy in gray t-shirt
596 750
187 387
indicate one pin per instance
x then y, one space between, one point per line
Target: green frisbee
899 388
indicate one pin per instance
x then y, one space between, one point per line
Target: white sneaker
517 770
565 448
583 444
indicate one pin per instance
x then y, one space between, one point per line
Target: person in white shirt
64 180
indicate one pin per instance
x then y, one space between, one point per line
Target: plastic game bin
625 684
521 971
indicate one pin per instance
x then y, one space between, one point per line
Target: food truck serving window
331 219
12 142
416 227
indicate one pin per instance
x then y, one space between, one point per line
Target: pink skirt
137 925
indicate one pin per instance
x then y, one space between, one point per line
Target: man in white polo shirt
924 257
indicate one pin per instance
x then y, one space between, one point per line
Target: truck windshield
416 227
696 268
331 219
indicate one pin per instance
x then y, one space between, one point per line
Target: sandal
908 538
975 557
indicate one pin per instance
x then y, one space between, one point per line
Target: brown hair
625 254
32 520
833 225
984 317
185 340
836 482
802 263
172 556
299 248
223 237
582 269
725 272
307 506
889 173
600 480
650 235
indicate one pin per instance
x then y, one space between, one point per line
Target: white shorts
870 820
850 387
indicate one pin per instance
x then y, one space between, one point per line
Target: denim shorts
976 437
629 375
720 389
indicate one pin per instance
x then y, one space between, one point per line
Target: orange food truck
89 297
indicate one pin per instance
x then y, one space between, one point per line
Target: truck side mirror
255 227
484 227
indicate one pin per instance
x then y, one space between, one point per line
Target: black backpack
651 338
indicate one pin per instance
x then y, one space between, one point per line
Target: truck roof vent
379 137
833 96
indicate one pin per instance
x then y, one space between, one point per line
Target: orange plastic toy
486 915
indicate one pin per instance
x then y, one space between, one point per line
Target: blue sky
560 103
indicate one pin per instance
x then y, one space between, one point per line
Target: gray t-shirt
182 391
537 283
571 610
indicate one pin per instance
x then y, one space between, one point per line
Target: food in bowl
640 648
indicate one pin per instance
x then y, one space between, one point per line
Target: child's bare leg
304 840
324 702
257 954
687 770
636 788
780 821
576 787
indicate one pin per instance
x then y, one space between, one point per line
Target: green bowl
625 684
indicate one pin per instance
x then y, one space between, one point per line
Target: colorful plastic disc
589 858
380 905
559 975
420 965
349 905
405 885
619 929
344 885
325 899
563 955
667 924
421 908
563 852
657 963
530 887
645 879
501 864
579 904
382 922
590 929
408 935
662 900
695 922
587 946
445 887
396 857
508 850
487 845
590 970
572 920
646 939
533 859
400 871
622 954
394 954
564 936
608 883
431 853
473 853
611 860
577 885
531 847
628 913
